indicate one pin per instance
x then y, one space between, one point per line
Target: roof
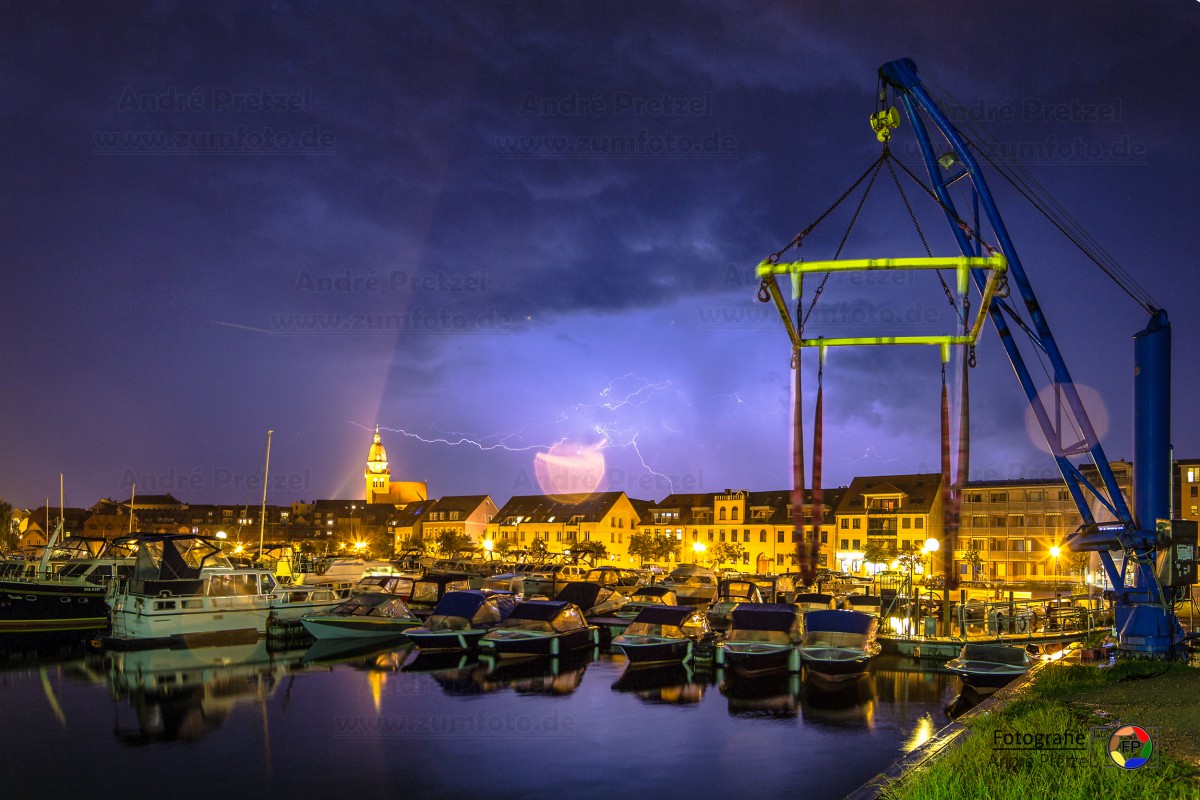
560 508
144 500
920 489
466 504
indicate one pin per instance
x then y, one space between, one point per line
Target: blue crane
1156 554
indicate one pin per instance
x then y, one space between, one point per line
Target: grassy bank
1003 758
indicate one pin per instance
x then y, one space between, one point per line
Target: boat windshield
535 625
750 636
650 629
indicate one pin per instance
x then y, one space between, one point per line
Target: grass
980 769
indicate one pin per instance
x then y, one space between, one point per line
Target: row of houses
1015 528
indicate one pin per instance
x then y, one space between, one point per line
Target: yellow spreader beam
995 264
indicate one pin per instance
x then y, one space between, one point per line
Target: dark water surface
226 722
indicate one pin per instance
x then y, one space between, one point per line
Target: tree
721 552
877 552
590 551
1078 562
538 550
668 546
449 543
643 546
975 561
501 547
8 531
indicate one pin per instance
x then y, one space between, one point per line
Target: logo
1131 746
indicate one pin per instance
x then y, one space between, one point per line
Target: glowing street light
1054 553
698 548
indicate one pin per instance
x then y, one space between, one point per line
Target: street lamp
698 548
1054 553
929 548
489 545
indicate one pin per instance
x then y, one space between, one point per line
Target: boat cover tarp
764 617
584 594
998 653
840 621
542 610
460 604
664 615
813 598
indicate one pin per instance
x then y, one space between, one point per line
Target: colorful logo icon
1130 747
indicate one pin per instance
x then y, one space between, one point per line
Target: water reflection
673 684
556 675
387 710
774 696
851 704
182 694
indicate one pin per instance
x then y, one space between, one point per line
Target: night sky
224 218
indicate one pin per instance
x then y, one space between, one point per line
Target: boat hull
503 644
653 651
446 641
328 626
33 607
834 665
757 658
984 675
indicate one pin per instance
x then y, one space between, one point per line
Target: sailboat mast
132 498
262 515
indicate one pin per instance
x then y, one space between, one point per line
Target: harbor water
326 722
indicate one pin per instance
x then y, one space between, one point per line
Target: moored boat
663 635
989 665
762 638
593 599
66 590
730 594
428 590
540 627
184 591
693 584
461 618
647 596
370 615
839 643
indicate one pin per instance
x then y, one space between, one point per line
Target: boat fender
322 568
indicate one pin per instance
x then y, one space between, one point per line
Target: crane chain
799 237
858 210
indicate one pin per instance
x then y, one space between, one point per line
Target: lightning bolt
626 392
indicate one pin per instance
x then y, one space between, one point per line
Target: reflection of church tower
380 488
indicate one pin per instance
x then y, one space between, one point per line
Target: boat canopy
664 615
372 604
546 616
997 653
840 621
475 605
584 594
765 617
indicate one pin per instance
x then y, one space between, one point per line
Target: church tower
379 477
380 487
